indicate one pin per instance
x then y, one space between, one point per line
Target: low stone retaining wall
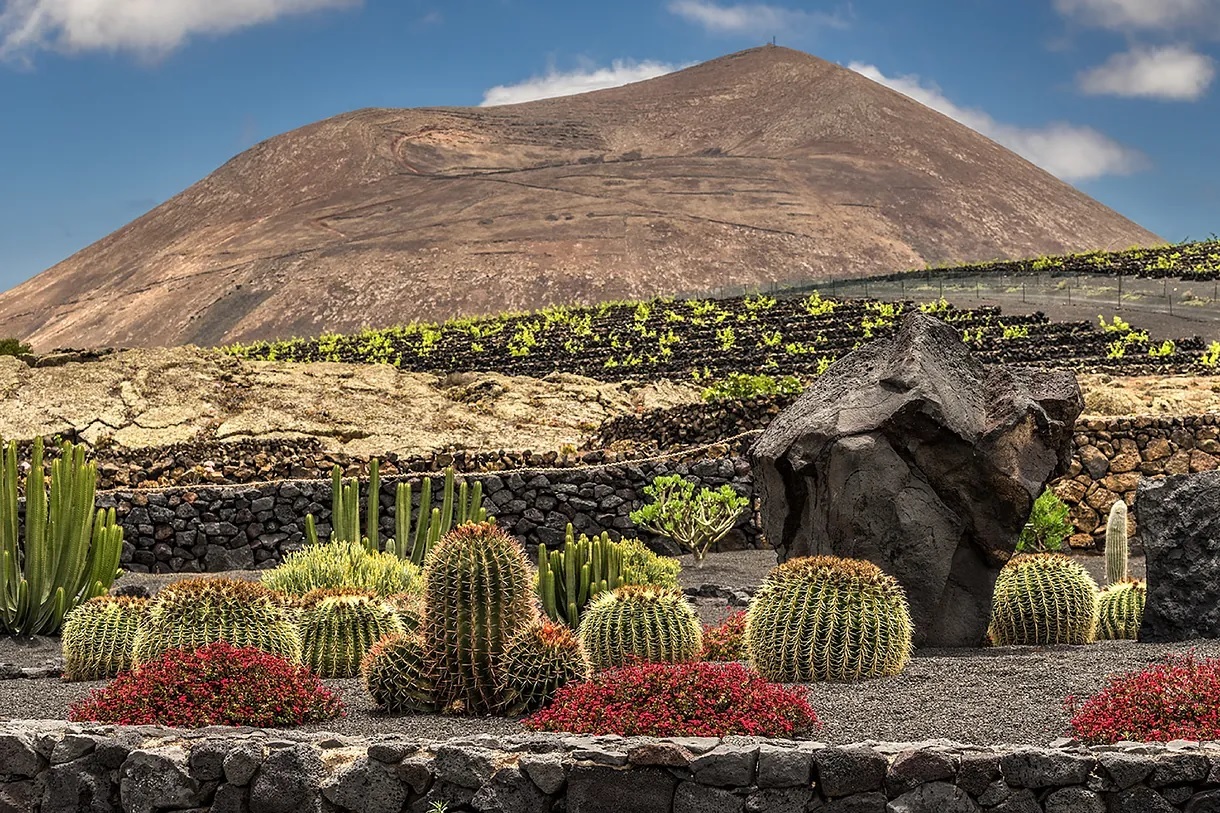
62 768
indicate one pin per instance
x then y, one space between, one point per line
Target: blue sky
109 107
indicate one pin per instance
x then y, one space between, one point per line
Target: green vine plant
694 520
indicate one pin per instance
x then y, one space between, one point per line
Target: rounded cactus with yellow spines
99 635
397 675
193 612
339 627
538 663
478 597
1120 610
1043 599
640 623
825 618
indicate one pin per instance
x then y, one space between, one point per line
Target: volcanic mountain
765 165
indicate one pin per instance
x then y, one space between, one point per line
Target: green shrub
343 564
1043 599
640 624
741 386
99 635
827 618
1048 526
14 347
339 627
694 520
641 566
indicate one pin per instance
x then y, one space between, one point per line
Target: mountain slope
766 165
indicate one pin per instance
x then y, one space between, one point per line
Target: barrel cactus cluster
825 618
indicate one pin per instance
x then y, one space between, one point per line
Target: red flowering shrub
1178 698
677 700
218 684
726 641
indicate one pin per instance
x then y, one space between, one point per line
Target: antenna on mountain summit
773 41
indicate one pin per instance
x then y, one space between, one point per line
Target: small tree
696 521
1048 526
14 347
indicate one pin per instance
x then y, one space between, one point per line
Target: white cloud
1171 72
558 83
1129 15
1069 151
149 28
750 18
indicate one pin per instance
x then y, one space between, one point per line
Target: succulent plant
478 597
338 627
640 623
1120 610
538 663
1117 548
99 635
339 564
410 610
826 618
642 566
464 506
193 612
396 674
1043 599
570 577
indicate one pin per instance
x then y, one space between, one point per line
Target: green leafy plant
69 553
641 566
14 347
640 624
1047 527
1043 599
694 520
741 386
824 618
815 305
1116 325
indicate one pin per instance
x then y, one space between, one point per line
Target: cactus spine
193 612
1117 551
70 553
1120 610
538 663
433 522
478 597
398 677
1043 599
824 618
339 627
640 623
570 577
99 635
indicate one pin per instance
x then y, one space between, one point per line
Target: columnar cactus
538 663
1117 551
1043 599
433 523
570 577
640 623
98 637
194 612
1120 610
824 618
478 597
338 627
398 677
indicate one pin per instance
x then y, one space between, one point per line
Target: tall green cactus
572 576
824 618
641 623
433 522
345 510
70 553
1120 610
1117 549
99 635
339 627
1043 599
478 597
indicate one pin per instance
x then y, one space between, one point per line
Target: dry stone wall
66 768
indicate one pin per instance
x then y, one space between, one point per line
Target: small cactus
825 618
193 612
538 663
98 637
1120 610
1043 599
338 627
640 623
342 564
1117 551
397 677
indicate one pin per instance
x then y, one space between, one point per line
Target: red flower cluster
218 684
1178 698
726 642
675 700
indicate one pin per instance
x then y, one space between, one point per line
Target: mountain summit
765 165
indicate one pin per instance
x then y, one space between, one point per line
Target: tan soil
157 397
1150 395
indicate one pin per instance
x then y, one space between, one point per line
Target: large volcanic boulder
912 455
1180 530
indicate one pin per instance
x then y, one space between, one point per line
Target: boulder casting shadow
912 455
